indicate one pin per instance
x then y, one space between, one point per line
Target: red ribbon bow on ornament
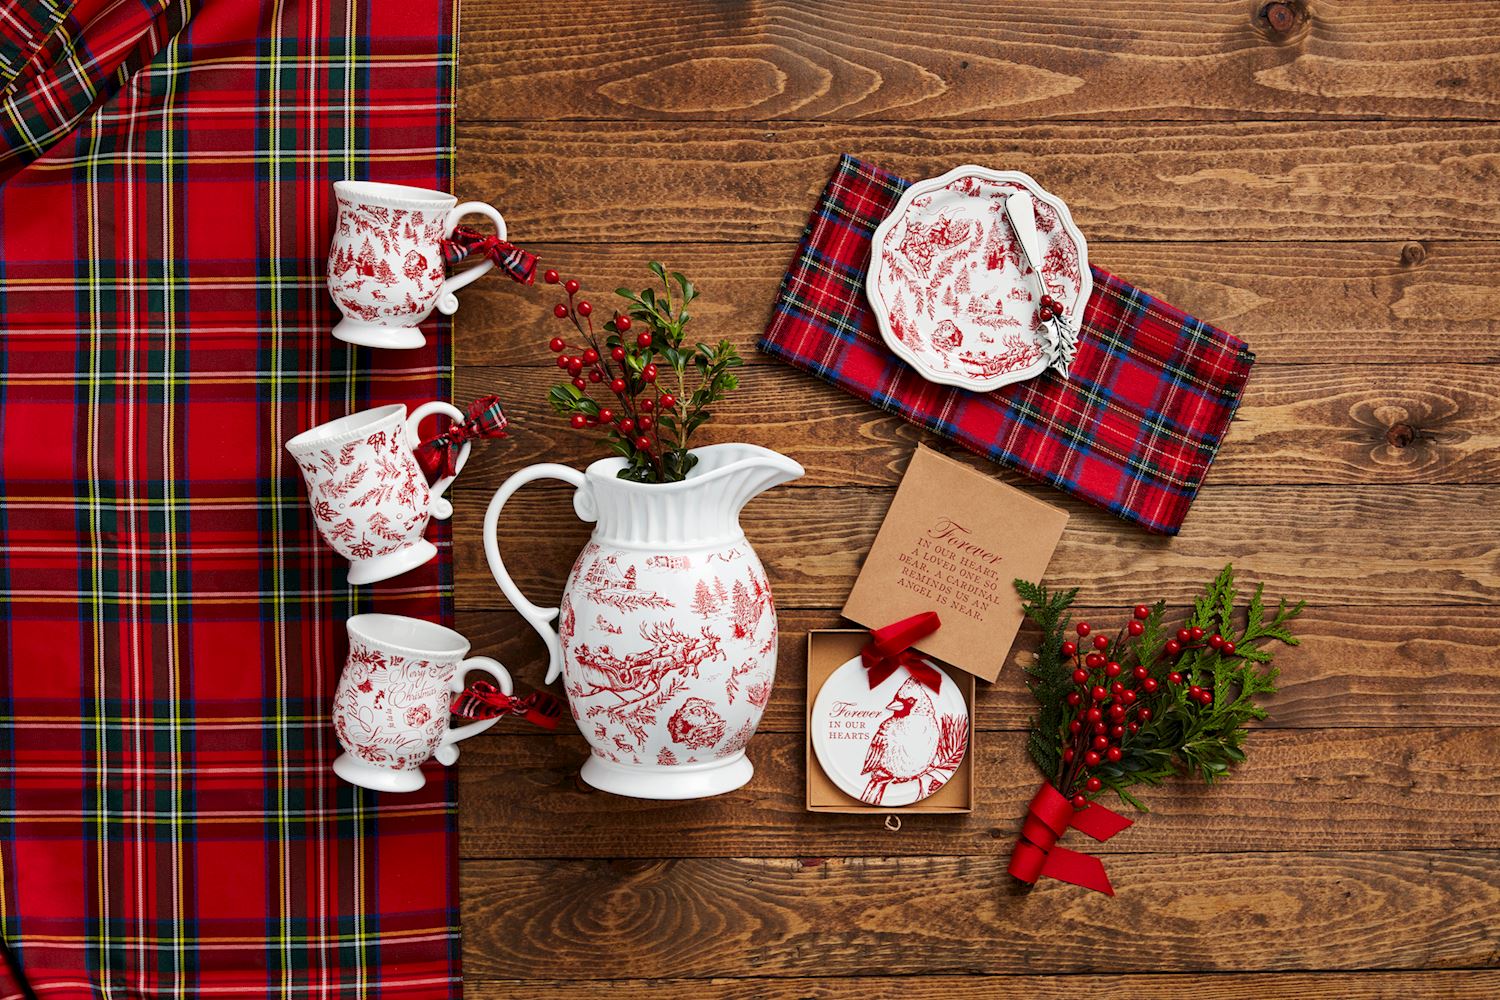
888 649
483 700
438 456
465 242
1048 818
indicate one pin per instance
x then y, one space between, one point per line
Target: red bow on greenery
1048 818
466 242
888 649
483 700
438 456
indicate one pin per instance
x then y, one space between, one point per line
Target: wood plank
1347 789
586 181
1379 546
1398 301
1013 61
1361 667
1467 984
1334 423
878 916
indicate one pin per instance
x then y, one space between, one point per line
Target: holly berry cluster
1049 309
642 346
1148 703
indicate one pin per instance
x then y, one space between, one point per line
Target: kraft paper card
953 542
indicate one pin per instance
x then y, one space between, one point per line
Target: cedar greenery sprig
652 428
1148 705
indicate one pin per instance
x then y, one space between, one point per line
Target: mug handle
446 752
439 508
447 302
537 617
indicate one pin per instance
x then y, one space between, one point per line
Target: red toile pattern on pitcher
666 632
647 642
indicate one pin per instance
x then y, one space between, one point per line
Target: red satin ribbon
1048 818
888 649
438 456
483 700
465 242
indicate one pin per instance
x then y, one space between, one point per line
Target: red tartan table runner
172 626
1133 428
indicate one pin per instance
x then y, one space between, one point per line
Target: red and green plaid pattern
172 626
1133 428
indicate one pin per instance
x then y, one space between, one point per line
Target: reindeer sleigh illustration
638 677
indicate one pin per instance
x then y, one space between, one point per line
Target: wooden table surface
1330 193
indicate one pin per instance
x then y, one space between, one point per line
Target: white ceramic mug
368 495
391 707
385 266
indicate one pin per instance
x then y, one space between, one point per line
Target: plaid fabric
1132 429
172 625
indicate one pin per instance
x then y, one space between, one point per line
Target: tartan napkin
172 627
1132 429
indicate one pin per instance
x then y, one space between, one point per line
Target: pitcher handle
538 617
447 302
439 506
446 752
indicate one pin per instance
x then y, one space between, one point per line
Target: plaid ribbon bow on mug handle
483 700
466 242
438 456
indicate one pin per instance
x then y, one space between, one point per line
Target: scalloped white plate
950 288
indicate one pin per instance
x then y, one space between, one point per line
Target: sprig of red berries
645 423
1147 704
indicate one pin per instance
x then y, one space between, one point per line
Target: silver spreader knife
1059 336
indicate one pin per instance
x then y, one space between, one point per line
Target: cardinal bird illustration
903 746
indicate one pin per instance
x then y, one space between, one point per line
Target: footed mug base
679 781
380 779
396 338
392 563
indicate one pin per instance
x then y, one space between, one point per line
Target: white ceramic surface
666 633
385 264
949 286
893 744
390 710
369 497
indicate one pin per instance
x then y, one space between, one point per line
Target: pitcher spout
748 470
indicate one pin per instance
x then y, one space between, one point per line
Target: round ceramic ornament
950 285
893 744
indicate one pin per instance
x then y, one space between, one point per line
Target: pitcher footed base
680 781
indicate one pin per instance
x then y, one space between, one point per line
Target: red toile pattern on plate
951 288
669 659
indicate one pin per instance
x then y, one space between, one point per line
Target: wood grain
1374 545
1353 789
1335 423
879 916
585 181
1399 301
1363 667
1467 984
1006 61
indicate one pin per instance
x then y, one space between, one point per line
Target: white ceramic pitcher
666 633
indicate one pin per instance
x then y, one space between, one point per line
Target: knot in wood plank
1413 253
1280 19
1400 435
